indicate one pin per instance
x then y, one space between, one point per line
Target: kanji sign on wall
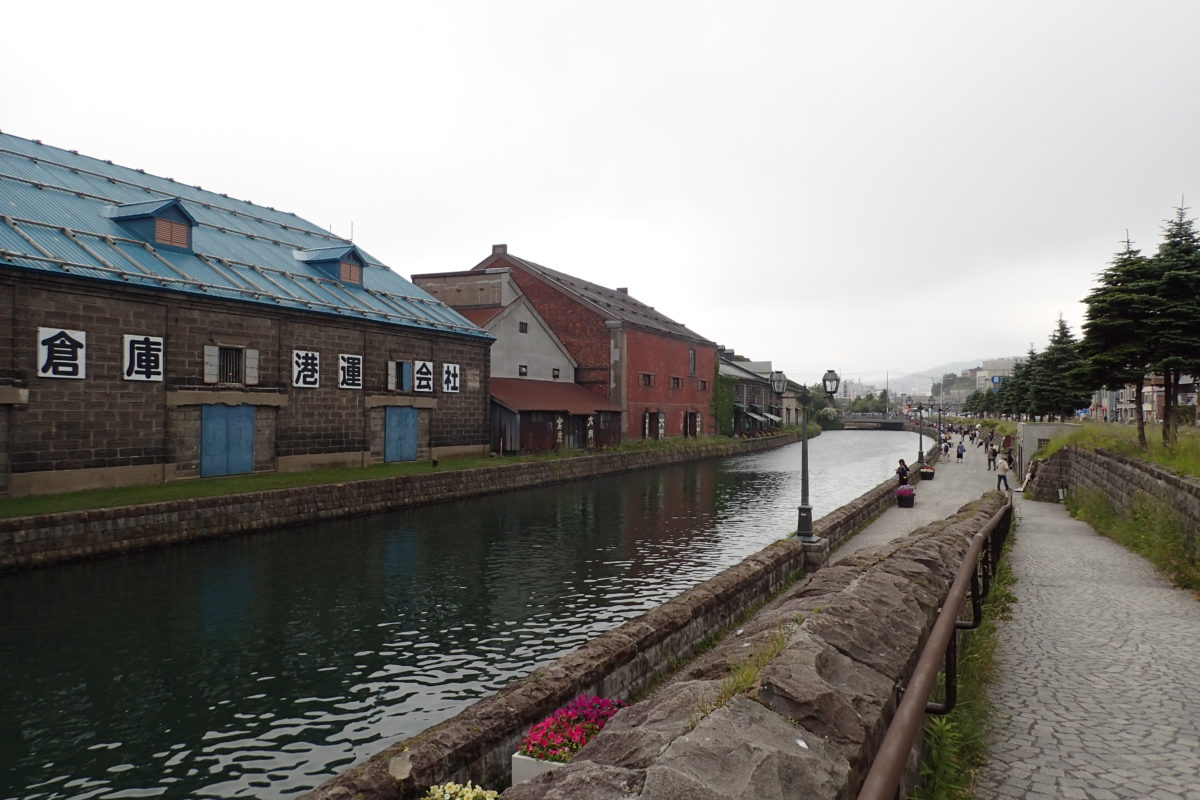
144 358
306 369
422 376
350 371
62 353
449 377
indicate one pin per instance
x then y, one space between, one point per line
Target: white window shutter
251 365
391 384
211 360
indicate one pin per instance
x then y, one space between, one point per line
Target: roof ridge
628 308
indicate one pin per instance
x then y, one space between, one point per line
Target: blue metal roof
61 213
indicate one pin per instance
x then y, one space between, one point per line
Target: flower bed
906 496
926 472
457 791
564 733
557 738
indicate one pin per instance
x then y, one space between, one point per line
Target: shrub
457 791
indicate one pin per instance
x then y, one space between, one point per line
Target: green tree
974 403
1174 326
1115 348
1054 387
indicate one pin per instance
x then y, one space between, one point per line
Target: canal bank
263 665
51 538
477 743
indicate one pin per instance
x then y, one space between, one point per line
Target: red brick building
657 371
152 330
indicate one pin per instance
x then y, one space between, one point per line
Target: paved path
1097 689
1097 692
955 485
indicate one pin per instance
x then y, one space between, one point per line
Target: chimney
623 289
499 249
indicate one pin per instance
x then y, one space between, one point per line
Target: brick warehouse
153 330
656 370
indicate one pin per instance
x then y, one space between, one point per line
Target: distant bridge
887 422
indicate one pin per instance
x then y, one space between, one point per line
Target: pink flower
564 733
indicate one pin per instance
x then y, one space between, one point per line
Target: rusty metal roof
521 394
615 304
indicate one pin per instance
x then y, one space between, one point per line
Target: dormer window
344 262
164 222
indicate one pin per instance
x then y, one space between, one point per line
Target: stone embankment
1124 481
50 538
831 649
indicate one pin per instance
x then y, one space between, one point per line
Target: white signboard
62 353
449 377
422 376
306 369
144 358
350 371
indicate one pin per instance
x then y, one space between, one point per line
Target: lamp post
920 442
779 386
829 382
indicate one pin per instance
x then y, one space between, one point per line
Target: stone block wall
123 432
864 621
1123 480
49 538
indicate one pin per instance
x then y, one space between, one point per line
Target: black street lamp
779 384
920 442
829 382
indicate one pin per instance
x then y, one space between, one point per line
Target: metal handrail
940 651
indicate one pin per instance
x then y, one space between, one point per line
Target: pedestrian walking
961 449
1002 474
991 454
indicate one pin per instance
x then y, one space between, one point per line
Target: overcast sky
869 186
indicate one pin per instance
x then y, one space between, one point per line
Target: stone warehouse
152 330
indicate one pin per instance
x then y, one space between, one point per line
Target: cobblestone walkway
1097 690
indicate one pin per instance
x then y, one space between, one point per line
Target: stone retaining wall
1123 480
50 538
477 743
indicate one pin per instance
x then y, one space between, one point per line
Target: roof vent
499 249
623 289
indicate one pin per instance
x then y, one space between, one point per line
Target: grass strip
29 505
1152 529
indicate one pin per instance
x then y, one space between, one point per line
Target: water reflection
257 666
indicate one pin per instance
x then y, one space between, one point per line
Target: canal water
258 666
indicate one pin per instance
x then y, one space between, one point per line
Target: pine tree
1174 325
1054 386
1115 347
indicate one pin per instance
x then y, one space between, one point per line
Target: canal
258 666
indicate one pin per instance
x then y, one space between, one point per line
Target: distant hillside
917 382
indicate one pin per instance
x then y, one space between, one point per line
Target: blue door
226 440
400 434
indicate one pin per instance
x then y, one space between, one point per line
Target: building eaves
731 369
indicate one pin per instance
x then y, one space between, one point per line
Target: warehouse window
170 232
